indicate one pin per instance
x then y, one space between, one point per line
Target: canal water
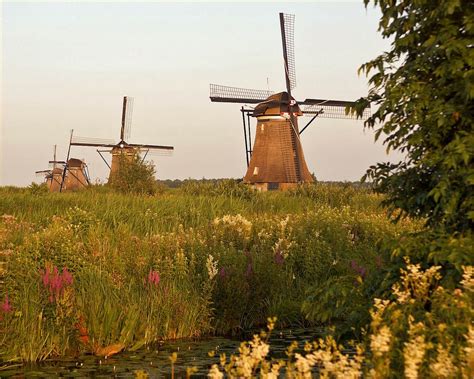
154 362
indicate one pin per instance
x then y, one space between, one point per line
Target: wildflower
380 342
6 307
443 366
211 266
67 277
414 350
278 258
468 278
222 273
215 373
55 282
153 277
358 269
415 283
237 223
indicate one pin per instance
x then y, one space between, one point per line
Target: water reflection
154 361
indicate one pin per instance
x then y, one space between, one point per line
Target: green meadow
98 271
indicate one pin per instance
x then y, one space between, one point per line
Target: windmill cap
276 105
57 171
74 162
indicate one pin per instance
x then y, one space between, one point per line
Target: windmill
122 149
52 177
69 175
276 160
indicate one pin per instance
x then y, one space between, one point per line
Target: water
155 362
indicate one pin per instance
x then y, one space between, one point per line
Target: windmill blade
155 153
330 109
157 149
96 142
225 94
287 26
127 111
43 172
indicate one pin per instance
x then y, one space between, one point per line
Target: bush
135 176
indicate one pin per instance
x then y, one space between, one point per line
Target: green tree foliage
134 176
423 89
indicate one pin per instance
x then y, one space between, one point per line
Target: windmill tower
122 150
77 176
277 159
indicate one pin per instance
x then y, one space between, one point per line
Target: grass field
100 271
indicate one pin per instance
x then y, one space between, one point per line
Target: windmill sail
127 112
225 94
88 141
287 26
330 109
156 149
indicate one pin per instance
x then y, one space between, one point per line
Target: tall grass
214 258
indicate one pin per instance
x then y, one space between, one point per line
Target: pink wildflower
67 277
55 282
46 277
222 273
153 277
278 258
6 307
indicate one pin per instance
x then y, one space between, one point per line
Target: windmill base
263 187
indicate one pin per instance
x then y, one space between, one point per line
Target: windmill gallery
274 161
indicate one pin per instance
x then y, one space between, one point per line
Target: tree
423 90
134 176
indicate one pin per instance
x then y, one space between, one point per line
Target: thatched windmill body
276 160
122 150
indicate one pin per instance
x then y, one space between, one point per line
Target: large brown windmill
122 149
277 160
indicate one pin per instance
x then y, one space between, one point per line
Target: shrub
135 176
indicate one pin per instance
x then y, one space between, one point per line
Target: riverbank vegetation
99 271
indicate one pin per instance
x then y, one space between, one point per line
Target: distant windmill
122 149
52 177
69 175
277 160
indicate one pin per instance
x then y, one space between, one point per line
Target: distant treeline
177 183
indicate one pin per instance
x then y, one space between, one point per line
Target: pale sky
67 66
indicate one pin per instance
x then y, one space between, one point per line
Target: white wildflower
443 367
303 366
415 283
380 342
468 278
236 222
211 266
274 373
414 350
215 373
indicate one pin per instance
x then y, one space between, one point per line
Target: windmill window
255 171
262 128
